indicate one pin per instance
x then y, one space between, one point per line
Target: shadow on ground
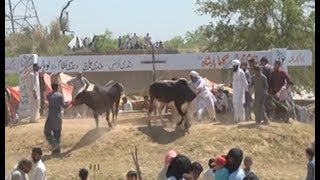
159 135
87 139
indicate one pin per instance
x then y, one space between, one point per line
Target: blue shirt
56 101
237 175
221 174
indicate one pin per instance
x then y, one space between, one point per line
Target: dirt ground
277 149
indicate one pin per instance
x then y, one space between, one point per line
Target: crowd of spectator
177 166
127 42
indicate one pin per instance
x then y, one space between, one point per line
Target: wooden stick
136 162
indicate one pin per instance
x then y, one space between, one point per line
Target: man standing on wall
239 85
34 94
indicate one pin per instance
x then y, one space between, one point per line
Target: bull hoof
187 131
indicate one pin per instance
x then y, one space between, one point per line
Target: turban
235 62
194 74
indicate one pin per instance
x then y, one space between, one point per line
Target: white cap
194 74
235 62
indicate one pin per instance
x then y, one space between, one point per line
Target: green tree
262 24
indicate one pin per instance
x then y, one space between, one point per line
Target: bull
102 99
177 91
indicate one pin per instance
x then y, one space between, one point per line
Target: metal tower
20 14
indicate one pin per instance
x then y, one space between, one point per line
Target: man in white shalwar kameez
34 94
205 99
38 171
239 86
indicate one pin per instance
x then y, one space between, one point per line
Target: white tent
75 43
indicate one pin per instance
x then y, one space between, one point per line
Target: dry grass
277 149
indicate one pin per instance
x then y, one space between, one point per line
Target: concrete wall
137 82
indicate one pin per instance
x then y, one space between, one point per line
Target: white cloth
34 102
239 85
237 175
204 100
208 175
235 62
38 171
127 106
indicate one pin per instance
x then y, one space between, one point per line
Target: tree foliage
262 24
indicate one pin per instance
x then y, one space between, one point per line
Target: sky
162 19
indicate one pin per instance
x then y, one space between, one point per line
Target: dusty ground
277 149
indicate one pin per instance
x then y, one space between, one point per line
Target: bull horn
86 87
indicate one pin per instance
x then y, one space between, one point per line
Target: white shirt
38 171
239 85
127 106
200 87
208 175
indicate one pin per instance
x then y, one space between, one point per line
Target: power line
20 14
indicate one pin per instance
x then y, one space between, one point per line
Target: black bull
177 91
101 100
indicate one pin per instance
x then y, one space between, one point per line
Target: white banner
299 57
25 67
190 61
94 63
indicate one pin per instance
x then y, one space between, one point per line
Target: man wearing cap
239 85
205 99
34 94
78 83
